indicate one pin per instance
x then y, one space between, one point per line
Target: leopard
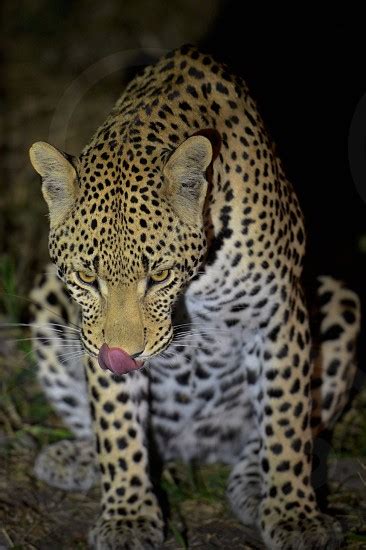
174 311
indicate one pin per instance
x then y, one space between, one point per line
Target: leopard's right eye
86 278
160 276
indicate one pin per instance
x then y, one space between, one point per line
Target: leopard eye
86 278
160 276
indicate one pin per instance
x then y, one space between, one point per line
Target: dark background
308 74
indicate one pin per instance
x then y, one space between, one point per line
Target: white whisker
68 346
67 360
43 306
200 332
43 338
199 326
38 325
72 354
172 345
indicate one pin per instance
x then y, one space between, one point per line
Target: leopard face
126 241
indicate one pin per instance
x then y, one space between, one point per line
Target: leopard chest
199 403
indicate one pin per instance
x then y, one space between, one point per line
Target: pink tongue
116 360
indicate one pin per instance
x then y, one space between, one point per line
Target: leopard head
127 236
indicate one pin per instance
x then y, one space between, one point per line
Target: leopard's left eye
86 278
160 276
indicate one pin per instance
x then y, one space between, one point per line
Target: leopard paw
68 465
244 499
141 533
320 532
244 490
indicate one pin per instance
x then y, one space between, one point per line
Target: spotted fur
182 178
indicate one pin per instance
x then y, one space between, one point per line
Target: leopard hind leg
335 328
334 334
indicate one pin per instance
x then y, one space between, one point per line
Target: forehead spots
120 216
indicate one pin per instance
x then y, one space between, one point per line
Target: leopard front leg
278 372
245 483
130 516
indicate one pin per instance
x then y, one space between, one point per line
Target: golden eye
86 278
160 276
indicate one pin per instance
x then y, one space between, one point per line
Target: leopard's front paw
141 533
245 497
320 532
68 465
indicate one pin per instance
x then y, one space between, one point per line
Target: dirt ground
36 516
40 517
64 64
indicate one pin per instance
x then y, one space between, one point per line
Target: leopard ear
185 174
59 179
